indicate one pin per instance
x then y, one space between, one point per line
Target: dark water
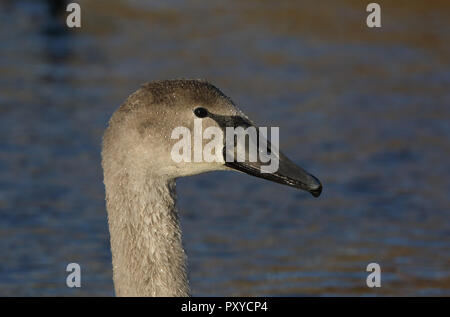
365 110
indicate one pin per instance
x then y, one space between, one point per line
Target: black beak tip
316 189
316 192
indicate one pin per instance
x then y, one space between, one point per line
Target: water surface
365 110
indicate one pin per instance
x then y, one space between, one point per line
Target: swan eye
200 112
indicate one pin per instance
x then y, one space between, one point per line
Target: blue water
367 111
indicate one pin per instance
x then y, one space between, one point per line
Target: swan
139 177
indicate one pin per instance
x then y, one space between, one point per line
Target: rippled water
365 110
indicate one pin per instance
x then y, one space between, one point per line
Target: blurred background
365 110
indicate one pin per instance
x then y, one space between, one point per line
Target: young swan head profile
165 130
177 128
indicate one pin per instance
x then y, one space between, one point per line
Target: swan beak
288 173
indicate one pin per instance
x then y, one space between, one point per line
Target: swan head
177 128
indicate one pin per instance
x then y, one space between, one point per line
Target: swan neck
146 245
